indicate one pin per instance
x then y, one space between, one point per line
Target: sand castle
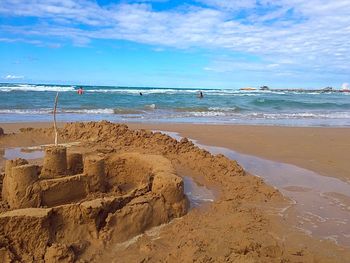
72 200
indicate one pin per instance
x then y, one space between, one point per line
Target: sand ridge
238 227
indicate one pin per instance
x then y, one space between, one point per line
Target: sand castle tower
62 178
8 174
19 184
18 181
74 163
55 162
94 168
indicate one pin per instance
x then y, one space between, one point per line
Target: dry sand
244 224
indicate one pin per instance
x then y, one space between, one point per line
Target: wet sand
323 150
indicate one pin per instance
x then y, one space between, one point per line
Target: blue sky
170 43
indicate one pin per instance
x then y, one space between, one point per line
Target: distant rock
247 88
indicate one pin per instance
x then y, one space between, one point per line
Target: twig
54 119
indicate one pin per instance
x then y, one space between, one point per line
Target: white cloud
11 77
313 34
229 5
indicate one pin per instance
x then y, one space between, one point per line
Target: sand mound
185 156
57 214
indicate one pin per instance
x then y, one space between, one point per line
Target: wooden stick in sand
54 119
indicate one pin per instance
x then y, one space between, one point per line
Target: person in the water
200 94
80 91
141 94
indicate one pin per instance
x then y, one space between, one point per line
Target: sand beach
244 219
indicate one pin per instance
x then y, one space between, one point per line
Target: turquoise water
27 102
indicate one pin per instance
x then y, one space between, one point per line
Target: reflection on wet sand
197 194
321 204
25 153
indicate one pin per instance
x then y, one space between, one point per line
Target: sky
171 43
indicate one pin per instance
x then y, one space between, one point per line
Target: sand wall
25 234
62 190
76 226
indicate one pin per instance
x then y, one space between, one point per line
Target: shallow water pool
197 194
25 153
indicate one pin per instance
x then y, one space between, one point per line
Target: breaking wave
27 87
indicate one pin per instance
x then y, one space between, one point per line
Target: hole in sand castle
127 172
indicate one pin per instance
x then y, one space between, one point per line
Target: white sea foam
89 111
224 112
207 114
135 91
150 106
59 111
28 87
224 109
25 111
233 114
301 115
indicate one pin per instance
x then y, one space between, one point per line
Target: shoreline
297 123
321 149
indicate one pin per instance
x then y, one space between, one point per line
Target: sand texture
121 199
324 150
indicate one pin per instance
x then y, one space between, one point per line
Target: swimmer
80 91
200 95
140 93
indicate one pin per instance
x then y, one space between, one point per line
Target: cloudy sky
198 43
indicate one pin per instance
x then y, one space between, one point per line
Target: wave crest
27 87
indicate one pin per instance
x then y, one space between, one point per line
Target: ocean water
27 102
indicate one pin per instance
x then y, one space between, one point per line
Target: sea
34 103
